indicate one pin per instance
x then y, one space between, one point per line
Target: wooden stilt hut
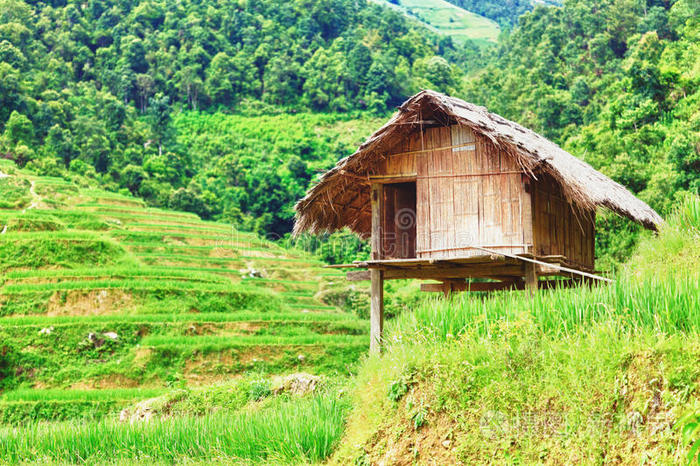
449 192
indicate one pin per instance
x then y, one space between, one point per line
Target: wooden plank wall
469 194
402 160
558 229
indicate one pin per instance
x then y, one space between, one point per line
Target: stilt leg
376 311
531 277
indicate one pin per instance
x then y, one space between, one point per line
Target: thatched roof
341 198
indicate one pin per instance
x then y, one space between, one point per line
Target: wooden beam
432 287
499 286
359 275
446 286
388 179
376 311
453 272
376 196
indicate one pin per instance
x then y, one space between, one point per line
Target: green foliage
615 83
14 193
295 431
397 389
262 164
689 426
546 378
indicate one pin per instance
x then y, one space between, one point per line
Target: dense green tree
132 177
159 118
614 82
11 91
19 130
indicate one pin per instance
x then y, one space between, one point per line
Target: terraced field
104 301
445 18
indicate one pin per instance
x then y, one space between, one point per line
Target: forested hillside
95 86
230 109
614 82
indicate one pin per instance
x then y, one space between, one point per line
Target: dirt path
35 198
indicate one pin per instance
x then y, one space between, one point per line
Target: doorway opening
399 221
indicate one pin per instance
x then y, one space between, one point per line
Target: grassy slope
570 376
176 291
445 18
567 376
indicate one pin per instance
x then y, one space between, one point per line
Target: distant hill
504 12
449 20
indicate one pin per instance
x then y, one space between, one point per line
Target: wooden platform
491 266
493 270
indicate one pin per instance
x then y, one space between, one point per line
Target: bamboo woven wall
472 195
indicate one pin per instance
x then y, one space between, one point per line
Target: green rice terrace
105 302
447 19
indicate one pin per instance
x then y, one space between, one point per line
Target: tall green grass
664 304
296 431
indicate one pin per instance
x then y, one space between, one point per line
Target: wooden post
531 276
377 194
376 311
376 323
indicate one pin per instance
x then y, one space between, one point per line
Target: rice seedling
211 317
219 228
295 431
116 273
664 304
219 342
187 257
56 394
157 283
14 193
151 236
102 208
